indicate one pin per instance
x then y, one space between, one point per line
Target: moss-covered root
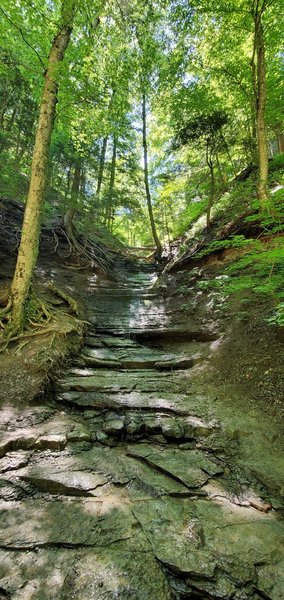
58 292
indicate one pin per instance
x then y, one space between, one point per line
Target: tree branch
21 32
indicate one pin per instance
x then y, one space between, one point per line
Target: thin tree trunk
167 225
280 140
103 152
12 119
212 186
66 193
18 146
102 165
222 174
259 73
113 167
108 213
69 215
28 250
146 180
2 114
22 151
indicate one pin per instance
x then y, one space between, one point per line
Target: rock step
129 491
134 424
144 504
111 342
135 358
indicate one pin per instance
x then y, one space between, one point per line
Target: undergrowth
259 267
260 271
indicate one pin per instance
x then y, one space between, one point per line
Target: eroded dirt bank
149 470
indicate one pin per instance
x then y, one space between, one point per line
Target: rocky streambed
132 480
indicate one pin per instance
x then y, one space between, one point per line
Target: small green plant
259 272
236 241
278 317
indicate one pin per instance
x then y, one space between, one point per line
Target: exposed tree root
58 292
6 309
41 317
87 253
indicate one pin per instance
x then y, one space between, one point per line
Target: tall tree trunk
280 140
209 160
146 180
113 166
222 174
259 74
69 215
102 165
28 250
103 151
2 114
108 213
12 119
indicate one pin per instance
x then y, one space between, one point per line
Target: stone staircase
123 485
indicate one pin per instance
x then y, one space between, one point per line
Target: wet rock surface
129 483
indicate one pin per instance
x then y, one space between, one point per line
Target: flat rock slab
68 483
194 426
118 342
207 540
271 580
89 522
176 536
94 342
54 434
135 358
115 382
173 364
14 460
100 357
144 358
148 482
96 574
173 403
191 467
96 471
240 534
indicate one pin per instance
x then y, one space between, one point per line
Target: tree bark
146 180
259 75
102 165
280 140
113 166
209 161
28 250
69 215
103 151
108 213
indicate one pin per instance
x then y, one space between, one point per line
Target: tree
206 128
147 53
259 86
146 180
28 250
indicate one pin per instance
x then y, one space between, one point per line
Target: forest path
129 483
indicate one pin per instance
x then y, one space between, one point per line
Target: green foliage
259 271
204 125
278 317
194 64
277 163
235 241
189 215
